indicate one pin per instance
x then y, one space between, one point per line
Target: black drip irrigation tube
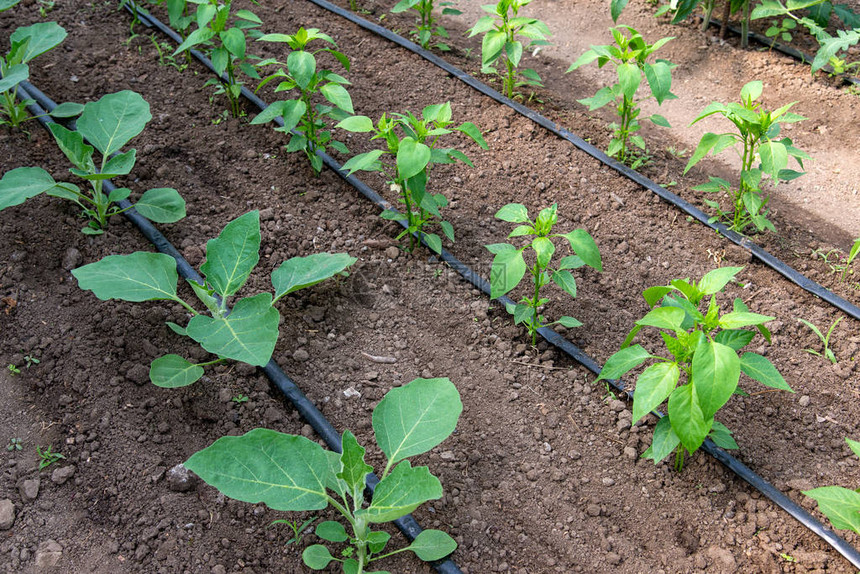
406 524
757 251
553 338
782 48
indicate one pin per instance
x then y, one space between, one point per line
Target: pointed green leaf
234 41
120 164
337 94
140 276
654 386
354 468
172 372
687 419
432 545
569 322
840 505
664 441
508 269
664 318
737 339
412 158
114 120
416 417
368 161
623 361
285 472
198 36
762 370
161 205
513 213
584 245
22 183
301 272
302 66
42 37
544 249
357 124
73 146
659 77
473 132
774 157
714 281
232 255
401 492
722 436
738 319
565 280
853 445
629 78
14 75
716 370
247 334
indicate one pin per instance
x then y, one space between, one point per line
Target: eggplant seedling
426 23
414 153
302 116
500 43
839 504
704 347
292 473
630 56
108 124
509 265
756 130
248 332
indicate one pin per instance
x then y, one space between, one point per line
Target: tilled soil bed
543 473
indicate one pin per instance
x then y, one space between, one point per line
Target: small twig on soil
541 366
574 422
376 359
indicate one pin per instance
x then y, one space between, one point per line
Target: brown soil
543 473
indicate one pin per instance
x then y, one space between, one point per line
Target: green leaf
140 276
161 205
67 110
22 183
433 241
354 469
73 146
623 361
762 370
853 445
708 142
513 213
432 545
401 492
664 441
507 271
114 120
659 120
119 194
840 505
302 66
687 419
316 557
357 124
714 281
629 78
736 339
376 541
416 417
368 161
196 37
337 94
331 531
412 158
752 90
13 76
722 436
172 372
40 38
653 295
543 249
570 262
654 386
659 77
584 245
285 472
569 322
234 40
301 272
615 8
120 164
565 280
232 255
473 132
738 319
715 373
247 334
774 157
664 318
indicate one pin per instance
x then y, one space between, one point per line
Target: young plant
630 56
226 46
509 265
781 29
303 117
47 457
293 473
756 130
108 124
13 369
248 332
840 505
703 347
500 44
14 444
295 527
825 339
408 160
26 43
426 23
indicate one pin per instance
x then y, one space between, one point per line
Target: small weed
825 339
240 399
47 457
788 557
14 444
45 6
29 361
13 369
294 526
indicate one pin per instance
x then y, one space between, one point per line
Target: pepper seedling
292 473
426 26
301 114
414 154
108 124
509 265
702 346
248 332
630 56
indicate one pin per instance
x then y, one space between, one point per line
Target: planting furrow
741 470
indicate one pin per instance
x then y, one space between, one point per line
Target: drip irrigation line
784 49
406 524
757 251
553 338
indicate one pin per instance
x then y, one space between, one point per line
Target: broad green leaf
196 37
42 37
22 183
584 245
232 255
368 161
736 339
659 77
73 146
432 545
664 318
738 319
302 66
774 157
491 47
654 386
840 505
513 213
354 468
249 16
653 295
715 373
140 276
316 557
248 334
412 158
659 120
114 120
285 472
416 417
623 361
172 372
543 249
120 164
714 281
331 531
569 322
570 262
508 269
14 75
687 419
722 436
377 540
401 492
301 272
357 124
161 205
514 51
337 94
762 370
119 194
615 8
473 132
234 41
853 445
483 24
751 90
629 78
706 144
433 242
565 280
663 442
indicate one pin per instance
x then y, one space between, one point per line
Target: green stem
537 272
679 458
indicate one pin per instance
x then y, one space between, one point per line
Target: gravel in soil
542 474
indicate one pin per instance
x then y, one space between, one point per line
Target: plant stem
533 327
